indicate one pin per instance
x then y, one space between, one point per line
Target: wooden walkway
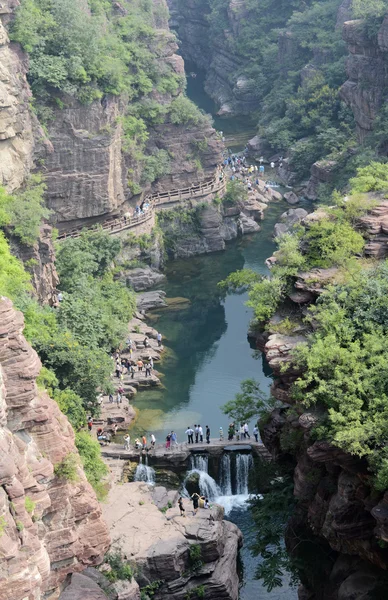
114 225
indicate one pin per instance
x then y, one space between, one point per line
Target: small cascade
226 475
144 472
244 462
200 462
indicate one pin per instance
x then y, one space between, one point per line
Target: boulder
150 300
143 278
288 219
159 544
247 225
291 198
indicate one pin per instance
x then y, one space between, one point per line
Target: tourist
153 440
118 370
221 434
127 441
272 165
180 504
99 431
246 431
115 428
118 398
111 398
151 361
137 444
206 505
256 433
144 442
189 432
168 441
196 430
148 370
90 423
207 434
195 498
146 342
140 365
200 431
159 338
242 435
132 371
231 431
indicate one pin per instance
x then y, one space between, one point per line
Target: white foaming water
207 485
226 475
199 462
144 472
230 503
244 462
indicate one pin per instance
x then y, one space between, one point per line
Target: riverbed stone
150 300
159 544
144 278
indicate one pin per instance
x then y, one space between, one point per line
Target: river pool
208 354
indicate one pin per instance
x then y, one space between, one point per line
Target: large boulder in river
288 219
150 300
159 544
247 225
192 483
291 197
143 278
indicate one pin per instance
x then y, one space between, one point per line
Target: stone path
124 413
184 450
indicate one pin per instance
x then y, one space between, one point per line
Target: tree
247 404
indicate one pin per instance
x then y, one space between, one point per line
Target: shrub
184 111
29 505
119 568
94 467
67 468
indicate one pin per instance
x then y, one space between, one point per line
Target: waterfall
199 462
144 472
226 475
244 462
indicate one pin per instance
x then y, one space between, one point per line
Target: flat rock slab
150 300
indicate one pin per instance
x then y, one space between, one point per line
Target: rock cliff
159 545
49 526
91 173
21 136
365 89
234 93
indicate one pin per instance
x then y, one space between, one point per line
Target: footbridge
158 201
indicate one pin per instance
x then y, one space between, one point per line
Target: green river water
208 354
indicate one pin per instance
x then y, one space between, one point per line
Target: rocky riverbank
338 508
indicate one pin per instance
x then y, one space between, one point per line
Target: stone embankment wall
49 527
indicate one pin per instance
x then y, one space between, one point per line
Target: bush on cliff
24 211
343 365
94 467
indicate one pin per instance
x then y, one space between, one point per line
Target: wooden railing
114 225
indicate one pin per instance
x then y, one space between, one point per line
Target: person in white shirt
200 433
127 441
189 432
153 440
246 431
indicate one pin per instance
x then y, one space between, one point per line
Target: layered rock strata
159 544
20 134
49 526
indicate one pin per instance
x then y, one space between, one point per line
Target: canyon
52 528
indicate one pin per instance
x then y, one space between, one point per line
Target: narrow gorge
193 299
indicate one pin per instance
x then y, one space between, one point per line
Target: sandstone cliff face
367 68
39 260
48 527
20 133
88 171
233 93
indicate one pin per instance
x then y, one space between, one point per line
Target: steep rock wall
233 93
20 134
49 527
367 69
88 172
